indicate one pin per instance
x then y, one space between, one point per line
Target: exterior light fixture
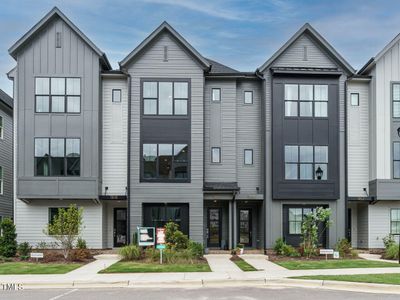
398 131
319 172
105 190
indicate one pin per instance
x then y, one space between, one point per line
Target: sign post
326 252
160 241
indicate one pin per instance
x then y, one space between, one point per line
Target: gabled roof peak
307 28
43 22
166 26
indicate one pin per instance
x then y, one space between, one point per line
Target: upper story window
248 156
306 100
216 95
395 221
165 162
216 155
1 180
57 157
354 99
306 162
165 98
248 97
116 95
396 100
396 160
57 95
1 128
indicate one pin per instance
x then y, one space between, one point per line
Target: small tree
8 242
309 229
65 228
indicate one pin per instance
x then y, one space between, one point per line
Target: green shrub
181 240
278 246
281 248
196 249
174 238
388 241
170 229
344 248
41 245
130 252
23 250
392 252
135 238
8 243
171 256
81 243
152 254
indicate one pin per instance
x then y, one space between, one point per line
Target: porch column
230 222
234 224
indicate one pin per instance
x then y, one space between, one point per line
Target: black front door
120 230
245 225
214 227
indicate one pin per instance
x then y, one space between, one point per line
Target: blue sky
241 34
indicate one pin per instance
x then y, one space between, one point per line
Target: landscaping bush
23 250
135 239
81 243
152 254
392 252
8 243
344 248
171 256
196 249
52 256
278 246
80 255
174 238
388 241
41 245
130 252
281 248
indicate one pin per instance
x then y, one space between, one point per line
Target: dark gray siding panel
6 159
385 189
312 131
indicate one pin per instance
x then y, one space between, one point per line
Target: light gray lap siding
6 159
74 59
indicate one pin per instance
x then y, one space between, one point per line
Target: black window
306 100
396 160
306 162
1 128
57 95
396 100
57 157
158 214
116 95
165 162
215 154
395 221
354 99
165 98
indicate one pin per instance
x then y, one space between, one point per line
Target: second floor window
57 157
165 162
1 180
396 100
57 95
165 98
306 100
248 156
306 162
216 155
396 160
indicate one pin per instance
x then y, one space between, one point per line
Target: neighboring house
373 110
6 156
232 157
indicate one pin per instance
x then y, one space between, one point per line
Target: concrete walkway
89 270
261 262
376 257
221 263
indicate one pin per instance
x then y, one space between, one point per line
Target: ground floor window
157 215
395 221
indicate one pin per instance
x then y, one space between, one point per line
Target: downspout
128 187
264 156
346 219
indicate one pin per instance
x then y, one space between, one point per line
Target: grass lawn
11 268
141 267
334 264
368 278
243 265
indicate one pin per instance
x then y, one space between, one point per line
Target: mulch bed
56 256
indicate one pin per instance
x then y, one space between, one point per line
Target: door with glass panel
120 228
245 227
214 227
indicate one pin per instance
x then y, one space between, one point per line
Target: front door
214 227
245 227
120 230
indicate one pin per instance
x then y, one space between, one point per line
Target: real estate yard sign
146 236
160 241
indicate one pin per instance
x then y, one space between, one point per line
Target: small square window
116 95
354 99
216 95
248 97
248 156
215 155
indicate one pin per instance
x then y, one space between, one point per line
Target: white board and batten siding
358 139
115 137
151 64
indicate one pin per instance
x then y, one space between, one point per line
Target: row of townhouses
232 157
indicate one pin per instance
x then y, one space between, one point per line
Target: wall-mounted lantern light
319 172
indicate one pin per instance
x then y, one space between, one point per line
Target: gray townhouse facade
6 156
232 157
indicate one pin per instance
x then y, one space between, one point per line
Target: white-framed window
395 221
216 94
248 156
355 99
1 180
1 128
116 95
215 154
396 100
248 97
